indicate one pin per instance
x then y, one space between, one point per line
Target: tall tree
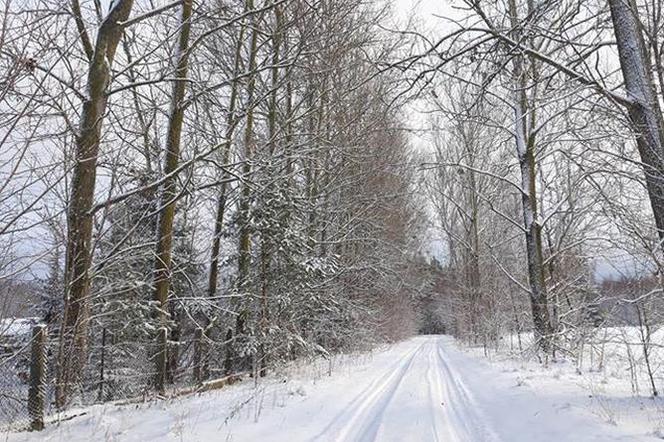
73 336
642 103
525 140
163 255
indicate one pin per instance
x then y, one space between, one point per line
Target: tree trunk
244 249
525 147
644 113
473 274
74 330
242 305
162 272
265 241
221 198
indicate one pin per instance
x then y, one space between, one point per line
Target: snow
422 389
17 326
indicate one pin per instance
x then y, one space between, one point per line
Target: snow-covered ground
17 326
423 389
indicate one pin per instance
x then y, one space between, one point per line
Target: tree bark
74 330
242 306
231 122
525 147
244 249
644 112
162 271
266 253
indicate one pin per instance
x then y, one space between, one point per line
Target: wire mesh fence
24 387
14 385
116 369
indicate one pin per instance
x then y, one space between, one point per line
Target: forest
197 192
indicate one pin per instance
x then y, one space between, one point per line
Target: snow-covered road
418 397
423 389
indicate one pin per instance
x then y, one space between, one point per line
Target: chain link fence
117 369
24 386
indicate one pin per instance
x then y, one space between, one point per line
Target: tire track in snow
467 419
437 398
360 421
452 414
431 393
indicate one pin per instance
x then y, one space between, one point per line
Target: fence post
161 360
36 392
228 361
199 355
